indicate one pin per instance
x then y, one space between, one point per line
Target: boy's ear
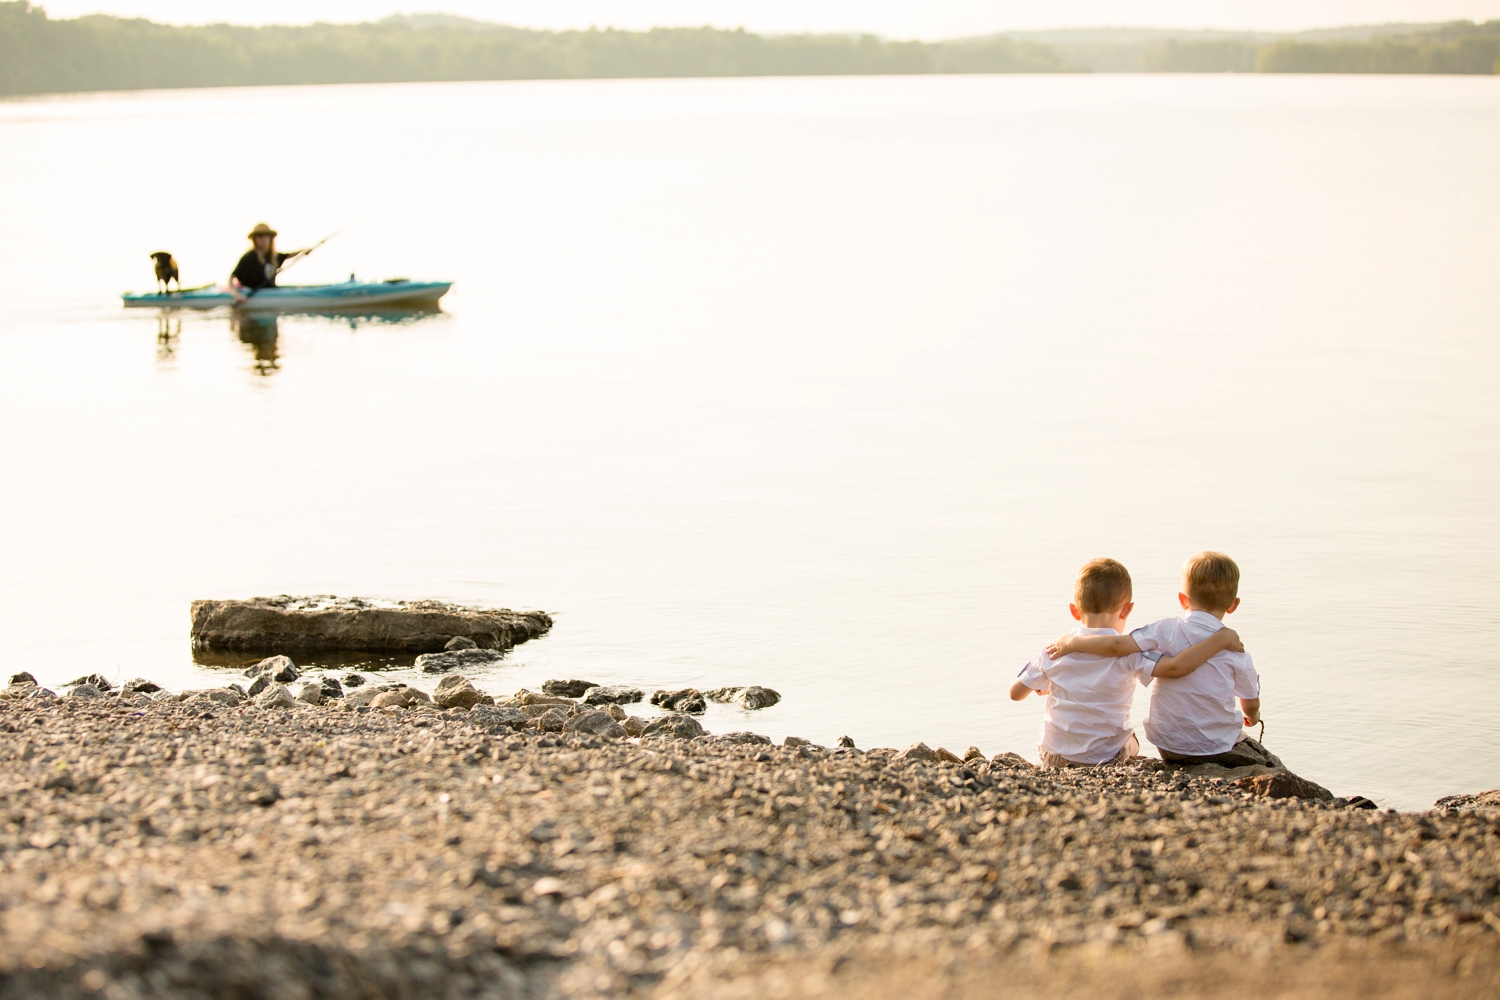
1232 605
1183 600
1073 610
1125 609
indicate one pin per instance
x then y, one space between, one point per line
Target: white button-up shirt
1087 716
1196 715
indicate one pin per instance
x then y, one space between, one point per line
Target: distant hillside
1456 47
41 55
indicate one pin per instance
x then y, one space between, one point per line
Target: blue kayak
345 295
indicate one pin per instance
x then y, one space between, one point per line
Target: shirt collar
1203 618
1081 630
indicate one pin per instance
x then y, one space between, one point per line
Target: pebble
160 851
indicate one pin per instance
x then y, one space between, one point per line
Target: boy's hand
1232 640
1062 647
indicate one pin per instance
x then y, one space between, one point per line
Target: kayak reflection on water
261 331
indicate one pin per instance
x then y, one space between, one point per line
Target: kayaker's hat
261 229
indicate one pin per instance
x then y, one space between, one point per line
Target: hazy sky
900 18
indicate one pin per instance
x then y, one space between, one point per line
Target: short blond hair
1211 580
1103 585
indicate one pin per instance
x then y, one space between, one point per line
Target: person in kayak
257 269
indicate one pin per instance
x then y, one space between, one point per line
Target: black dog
166 271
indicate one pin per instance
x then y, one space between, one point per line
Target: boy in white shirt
1194 719
1087 718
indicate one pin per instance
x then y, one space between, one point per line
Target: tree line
1459 48
42 55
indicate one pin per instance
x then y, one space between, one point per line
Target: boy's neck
1102 620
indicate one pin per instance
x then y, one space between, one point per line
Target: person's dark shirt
251 273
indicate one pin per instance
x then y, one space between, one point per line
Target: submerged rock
95 681
568 688
326 624
437 663
613 694
353 680
139 685
459 642
752 697
687 700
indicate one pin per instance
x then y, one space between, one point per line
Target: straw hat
261 229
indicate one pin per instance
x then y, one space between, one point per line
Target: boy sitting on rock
1087 718
1193 719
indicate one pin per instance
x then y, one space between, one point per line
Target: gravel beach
188 848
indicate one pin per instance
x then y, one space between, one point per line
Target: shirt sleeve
1146 672
1034 674
1246 680
1151 637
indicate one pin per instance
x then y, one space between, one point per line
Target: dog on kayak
166 271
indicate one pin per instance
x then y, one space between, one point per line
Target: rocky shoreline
280 845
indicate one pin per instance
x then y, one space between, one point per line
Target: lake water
823 384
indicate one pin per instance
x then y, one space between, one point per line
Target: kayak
345 295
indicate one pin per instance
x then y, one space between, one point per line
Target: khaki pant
1130 749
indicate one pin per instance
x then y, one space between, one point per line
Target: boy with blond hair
1194 719
1086 722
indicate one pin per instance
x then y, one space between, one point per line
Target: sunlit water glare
823 384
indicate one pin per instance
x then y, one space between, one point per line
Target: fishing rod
303 253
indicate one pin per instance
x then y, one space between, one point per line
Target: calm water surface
828 385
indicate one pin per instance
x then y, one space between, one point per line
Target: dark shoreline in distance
39 55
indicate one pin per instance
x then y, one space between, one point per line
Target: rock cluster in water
305 625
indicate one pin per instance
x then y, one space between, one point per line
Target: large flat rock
327 624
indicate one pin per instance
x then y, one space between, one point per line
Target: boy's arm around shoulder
1199 653
1094 645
